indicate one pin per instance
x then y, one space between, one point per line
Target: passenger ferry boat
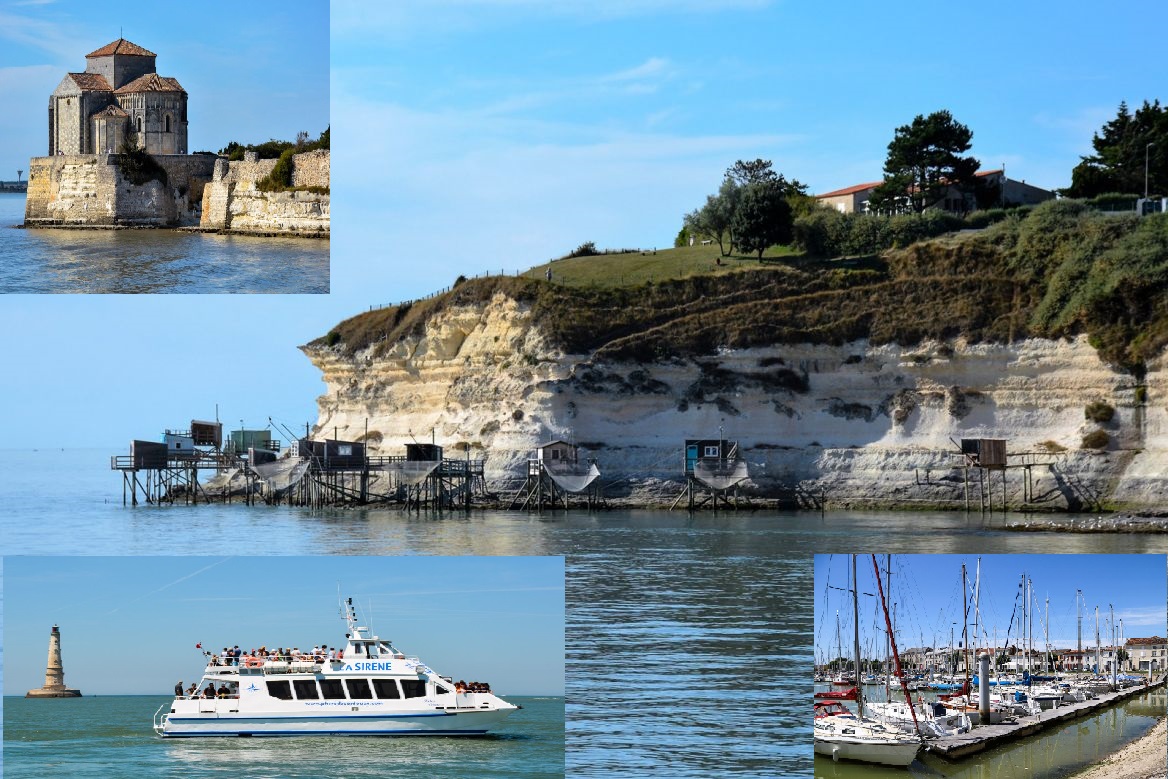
369 689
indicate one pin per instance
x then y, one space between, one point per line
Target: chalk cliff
851 424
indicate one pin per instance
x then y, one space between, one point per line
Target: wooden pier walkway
986 737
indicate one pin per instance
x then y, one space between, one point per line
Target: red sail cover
843 695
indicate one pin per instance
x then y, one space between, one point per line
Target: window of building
332 689
166 122
139 124
413 688
305 689
359 689
712 451
280 690
386 688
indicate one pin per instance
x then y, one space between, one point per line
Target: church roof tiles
112 110
151 82
121 46
91 82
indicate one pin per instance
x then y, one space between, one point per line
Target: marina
861 714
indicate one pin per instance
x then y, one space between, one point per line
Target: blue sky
493 619
488 135
927 591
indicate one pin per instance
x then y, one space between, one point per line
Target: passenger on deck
194 688
210 691
178 689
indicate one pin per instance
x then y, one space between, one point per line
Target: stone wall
232 202
88 190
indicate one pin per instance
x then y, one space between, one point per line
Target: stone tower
54 673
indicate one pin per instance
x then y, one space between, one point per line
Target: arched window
139 124
167 123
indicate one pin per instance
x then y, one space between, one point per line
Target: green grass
633 269
1056 271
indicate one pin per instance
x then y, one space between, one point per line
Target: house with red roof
854 199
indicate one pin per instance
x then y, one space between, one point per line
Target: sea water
689 638
153 261
111 736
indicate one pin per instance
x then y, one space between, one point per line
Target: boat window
305 689
413 688
386 688
280 690
359 689
331 689
440 690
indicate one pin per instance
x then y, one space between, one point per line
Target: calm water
689 639
153 261
1060 750
111 736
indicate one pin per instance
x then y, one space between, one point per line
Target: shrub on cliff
138 167
1096 439
1099 411
281 176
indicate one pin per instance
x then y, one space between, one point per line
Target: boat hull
866 752
212 724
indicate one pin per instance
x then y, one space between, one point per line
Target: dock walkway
986 737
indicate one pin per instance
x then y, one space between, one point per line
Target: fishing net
282 474
573 479
411 473
720 474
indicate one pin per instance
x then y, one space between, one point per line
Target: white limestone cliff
853 425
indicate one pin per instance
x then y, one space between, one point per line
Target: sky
493 619
927 590
490 135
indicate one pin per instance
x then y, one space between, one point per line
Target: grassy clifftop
1059 270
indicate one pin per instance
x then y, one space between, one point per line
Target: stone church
120 94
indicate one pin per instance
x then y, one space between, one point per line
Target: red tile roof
861 187
151 82
112 110
1152 640
851 190
121 46
91 82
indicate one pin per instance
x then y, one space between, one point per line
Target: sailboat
842 735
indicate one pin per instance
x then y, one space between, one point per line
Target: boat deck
982 738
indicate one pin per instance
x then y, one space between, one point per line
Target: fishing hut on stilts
169 470
713 472
555 473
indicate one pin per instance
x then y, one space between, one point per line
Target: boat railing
284 664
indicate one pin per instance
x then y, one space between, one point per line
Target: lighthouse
54 673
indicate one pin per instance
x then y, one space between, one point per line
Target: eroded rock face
856 424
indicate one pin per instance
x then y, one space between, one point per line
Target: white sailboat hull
883 753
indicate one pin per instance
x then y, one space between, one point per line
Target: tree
713 219
1121 149
924 161
762 218
760 172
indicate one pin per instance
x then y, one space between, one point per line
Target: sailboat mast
888 636
965 627
1098 659
856 617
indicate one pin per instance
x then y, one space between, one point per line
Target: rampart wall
232 202
88 190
